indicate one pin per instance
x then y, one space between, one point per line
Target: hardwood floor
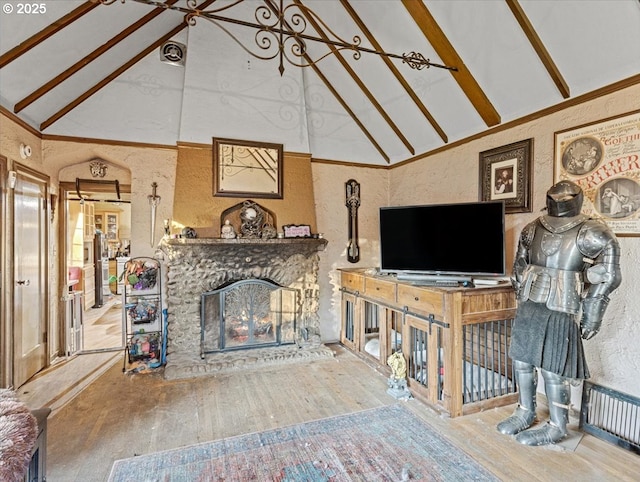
119 416
103 326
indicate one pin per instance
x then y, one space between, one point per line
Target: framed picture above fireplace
247 168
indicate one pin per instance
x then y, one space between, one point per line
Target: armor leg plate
525 413
555 429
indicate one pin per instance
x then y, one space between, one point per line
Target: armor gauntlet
599 244
592 314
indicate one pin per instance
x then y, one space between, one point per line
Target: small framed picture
505 174
297 231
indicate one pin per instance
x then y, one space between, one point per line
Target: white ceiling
222 91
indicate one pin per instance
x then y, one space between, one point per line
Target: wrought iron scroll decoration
284 27
352 192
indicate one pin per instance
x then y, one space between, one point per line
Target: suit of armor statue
565 268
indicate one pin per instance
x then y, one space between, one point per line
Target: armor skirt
548 339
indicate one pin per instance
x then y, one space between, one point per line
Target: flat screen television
457 241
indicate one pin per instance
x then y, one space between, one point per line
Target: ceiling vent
173 53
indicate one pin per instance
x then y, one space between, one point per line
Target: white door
30 299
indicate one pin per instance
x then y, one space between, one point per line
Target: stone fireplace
207 266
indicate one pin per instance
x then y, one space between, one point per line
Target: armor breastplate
554 274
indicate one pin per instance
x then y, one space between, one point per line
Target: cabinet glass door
112 227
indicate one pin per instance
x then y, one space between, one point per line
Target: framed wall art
506 174
247 169
604 159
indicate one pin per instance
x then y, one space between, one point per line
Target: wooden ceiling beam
358 81
80 64
538 46
352 114
338 97
436 37
47 32
120 70
394 70
72 105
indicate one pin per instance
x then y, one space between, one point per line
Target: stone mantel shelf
239 248
320 243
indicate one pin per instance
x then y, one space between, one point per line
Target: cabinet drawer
376 288
421 299
352 282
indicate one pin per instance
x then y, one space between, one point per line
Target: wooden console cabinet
455 340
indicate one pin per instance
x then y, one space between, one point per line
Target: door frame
66 187
6 313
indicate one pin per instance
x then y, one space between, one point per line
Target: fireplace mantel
319 242
198 265
282 246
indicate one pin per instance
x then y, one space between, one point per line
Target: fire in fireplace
247 313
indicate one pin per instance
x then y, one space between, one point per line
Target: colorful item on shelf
142 311
144 345
140 275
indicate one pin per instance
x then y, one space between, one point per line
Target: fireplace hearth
236 303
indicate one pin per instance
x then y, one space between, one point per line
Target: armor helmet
564 199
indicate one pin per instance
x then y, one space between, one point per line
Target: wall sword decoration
352 191
154 200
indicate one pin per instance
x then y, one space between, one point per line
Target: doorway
97 232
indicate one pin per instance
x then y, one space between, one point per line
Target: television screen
454 239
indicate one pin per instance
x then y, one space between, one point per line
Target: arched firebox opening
249 313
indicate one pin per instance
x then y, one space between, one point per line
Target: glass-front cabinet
89 221
108 223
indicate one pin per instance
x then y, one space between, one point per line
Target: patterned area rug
382 444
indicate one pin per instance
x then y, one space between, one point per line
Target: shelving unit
142 312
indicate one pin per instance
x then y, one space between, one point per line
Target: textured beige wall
138 166
329 185
11 136
452 176
197 207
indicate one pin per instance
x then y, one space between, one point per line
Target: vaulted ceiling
96 69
